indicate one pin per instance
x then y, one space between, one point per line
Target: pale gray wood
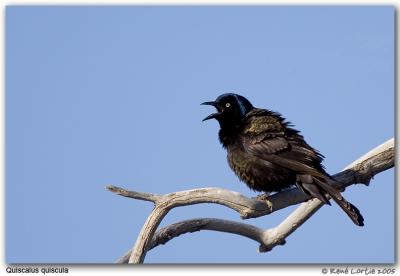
360 171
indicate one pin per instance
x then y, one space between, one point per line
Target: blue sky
110 95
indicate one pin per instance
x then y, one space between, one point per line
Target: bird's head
231 109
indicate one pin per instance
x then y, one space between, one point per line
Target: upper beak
213 115
214 104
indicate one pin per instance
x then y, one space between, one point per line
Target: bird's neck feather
228 134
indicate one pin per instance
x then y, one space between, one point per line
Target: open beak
213 115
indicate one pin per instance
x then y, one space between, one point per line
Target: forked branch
360 171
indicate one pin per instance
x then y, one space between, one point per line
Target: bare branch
277 235
169 232
133 194
146 234
367 166
360 171
246 207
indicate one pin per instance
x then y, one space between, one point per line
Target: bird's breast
259 175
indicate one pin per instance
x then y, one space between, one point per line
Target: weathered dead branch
360 171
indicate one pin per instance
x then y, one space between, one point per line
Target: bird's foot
263 196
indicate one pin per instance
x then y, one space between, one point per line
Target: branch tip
112 188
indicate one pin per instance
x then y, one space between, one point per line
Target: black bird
269 155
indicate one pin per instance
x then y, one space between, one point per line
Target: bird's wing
270 139
265 133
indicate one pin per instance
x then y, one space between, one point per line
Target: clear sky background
110 95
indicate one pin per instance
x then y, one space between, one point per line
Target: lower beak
211 116
214 115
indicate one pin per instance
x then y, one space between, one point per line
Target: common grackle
269 155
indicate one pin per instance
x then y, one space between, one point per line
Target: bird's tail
351 210
318 188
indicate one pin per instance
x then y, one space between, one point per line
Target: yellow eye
227 105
